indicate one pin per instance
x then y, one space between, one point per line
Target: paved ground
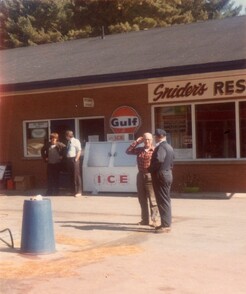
100 249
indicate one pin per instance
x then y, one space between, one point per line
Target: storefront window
215 130
176 120
242 123
36 133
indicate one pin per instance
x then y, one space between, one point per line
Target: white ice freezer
107 168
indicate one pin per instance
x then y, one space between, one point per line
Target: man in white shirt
73 163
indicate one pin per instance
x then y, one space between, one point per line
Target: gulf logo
125 119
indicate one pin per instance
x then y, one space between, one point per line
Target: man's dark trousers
162 181
73 168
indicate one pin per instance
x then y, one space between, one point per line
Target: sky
241 2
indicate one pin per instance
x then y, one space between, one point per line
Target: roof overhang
137 76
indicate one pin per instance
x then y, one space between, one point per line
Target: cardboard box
23 183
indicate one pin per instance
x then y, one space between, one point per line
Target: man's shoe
153 224
161 229
143 223
78 195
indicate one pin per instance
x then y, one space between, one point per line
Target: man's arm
132 149
78 150
78 155
44 152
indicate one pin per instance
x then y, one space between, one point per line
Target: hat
160 133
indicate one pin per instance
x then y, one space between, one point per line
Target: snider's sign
203 88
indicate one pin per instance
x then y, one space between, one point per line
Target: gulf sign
125 119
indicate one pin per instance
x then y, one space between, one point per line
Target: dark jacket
162 158
60 147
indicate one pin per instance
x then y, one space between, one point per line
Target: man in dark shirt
161 172
144 182
52 153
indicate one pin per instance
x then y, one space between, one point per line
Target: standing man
73 163
161 171
144 182
52 153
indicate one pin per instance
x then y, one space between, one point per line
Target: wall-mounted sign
88 102
38 125
120 137
125 119
93 138
197 89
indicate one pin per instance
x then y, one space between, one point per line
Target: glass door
60 126
91 130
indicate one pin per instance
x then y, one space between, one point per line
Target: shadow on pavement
107 226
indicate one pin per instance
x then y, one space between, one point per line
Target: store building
188 79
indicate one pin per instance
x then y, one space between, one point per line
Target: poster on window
36 136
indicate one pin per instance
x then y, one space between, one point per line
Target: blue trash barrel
37 236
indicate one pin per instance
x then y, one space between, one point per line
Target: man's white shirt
73 147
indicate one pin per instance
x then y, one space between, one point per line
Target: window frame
193 127
49 120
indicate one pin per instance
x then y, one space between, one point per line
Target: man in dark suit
161 172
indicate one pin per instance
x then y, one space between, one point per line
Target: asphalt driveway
101 249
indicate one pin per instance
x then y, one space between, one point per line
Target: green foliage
120 28
33 22
145 22
78 34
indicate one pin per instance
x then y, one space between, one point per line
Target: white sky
241 2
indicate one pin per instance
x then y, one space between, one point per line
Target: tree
33 22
